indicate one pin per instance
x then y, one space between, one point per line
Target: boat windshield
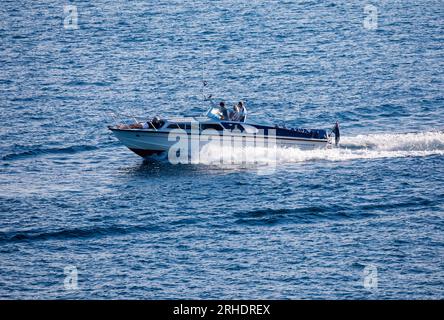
214 113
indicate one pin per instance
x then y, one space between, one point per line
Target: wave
322 213
371 146
42 151
86 83
310 214
76 233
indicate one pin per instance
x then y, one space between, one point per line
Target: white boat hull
148 142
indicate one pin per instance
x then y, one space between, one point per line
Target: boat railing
118 117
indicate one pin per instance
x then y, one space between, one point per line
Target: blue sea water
72 195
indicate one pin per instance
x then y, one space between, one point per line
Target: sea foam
371 146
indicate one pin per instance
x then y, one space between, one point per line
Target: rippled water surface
72 195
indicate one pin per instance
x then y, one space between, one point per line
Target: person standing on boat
223 110
234 114
242 113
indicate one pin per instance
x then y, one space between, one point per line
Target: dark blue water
72 195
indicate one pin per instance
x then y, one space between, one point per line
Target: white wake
371 146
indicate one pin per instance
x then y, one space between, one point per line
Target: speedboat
158 135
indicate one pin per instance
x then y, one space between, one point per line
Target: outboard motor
337 133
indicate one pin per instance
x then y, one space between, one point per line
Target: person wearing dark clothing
223 110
